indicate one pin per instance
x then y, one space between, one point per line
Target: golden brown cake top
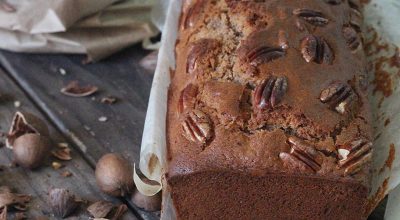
270 86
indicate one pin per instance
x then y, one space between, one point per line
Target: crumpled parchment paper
381 43
96 28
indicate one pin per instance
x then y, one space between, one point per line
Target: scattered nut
56 165
75 90
30 150
148 203
62 202
114 175
66 174
100 209
62 154
108 100
103 119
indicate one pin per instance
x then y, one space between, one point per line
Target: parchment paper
96 28
380 15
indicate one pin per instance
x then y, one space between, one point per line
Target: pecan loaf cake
268 116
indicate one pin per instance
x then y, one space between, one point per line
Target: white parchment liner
382 15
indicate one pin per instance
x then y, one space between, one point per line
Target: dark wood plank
38 182
77 118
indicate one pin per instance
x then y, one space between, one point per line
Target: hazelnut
114 175
148 203
30 150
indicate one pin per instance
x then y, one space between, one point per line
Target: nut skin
30 150
114 175
148 203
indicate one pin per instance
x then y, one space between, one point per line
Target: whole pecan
316 49
352 38
270 92
315 18
197 127
354 155
340 97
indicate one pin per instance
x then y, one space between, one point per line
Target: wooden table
35 81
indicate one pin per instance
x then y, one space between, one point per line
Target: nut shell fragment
23 123
100 209
74 89
62 202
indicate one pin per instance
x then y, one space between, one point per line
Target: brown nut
62 202
100 209
114 175
24 123
148 203
30 150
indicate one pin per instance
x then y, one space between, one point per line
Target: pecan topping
187 98
316 49
197 127
352 39
192 14
355 8
333 2
302 155
354 155
264 54
339 96
199 50
313 17
270 92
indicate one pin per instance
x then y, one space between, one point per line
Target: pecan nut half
354 155
316 49
187 98
198 51
315 18
270 92
302 155
192 14
340 97
352 38
197 127
264 54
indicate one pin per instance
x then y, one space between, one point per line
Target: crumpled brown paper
96 28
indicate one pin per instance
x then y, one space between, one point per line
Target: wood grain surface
77 119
